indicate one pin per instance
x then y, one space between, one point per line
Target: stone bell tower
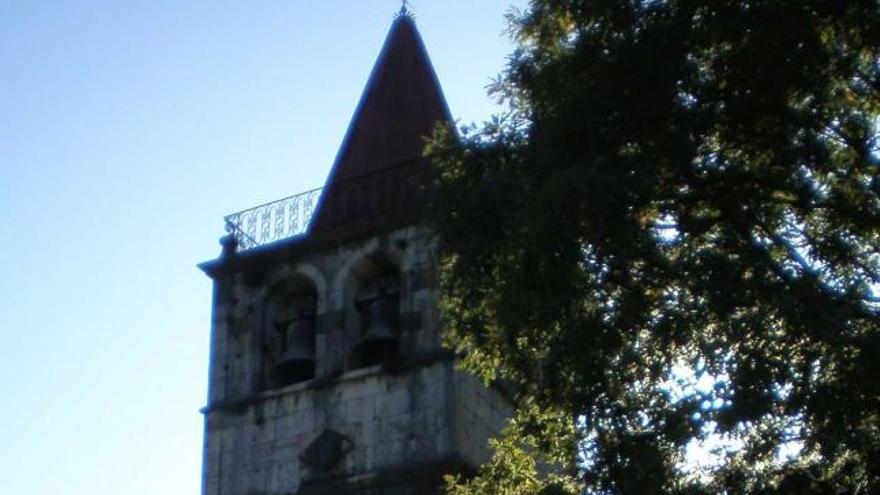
327 375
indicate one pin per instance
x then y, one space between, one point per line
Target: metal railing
386 192
281 219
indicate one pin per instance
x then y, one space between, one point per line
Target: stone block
399 421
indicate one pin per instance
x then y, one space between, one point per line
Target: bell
297 362
380 339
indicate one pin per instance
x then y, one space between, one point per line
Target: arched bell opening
374 307
289 336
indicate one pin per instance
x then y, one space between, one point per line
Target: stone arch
305 270
288 337
369 289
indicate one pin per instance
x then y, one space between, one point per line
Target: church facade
327 375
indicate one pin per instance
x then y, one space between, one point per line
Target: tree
682 191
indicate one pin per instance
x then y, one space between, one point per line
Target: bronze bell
380 323
297 361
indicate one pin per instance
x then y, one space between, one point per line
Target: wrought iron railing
385 193
281 219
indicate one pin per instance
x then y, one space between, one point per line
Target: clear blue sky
127 130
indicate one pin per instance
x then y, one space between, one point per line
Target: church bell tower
327 375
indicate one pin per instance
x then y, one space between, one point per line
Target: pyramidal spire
400 105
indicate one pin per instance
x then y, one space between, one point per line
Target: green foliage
679 185
519 466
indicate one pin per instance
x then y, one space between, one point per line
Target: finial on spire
405 10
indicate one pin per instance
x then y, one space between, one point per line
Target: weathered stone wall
391 421
403 423
480 413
